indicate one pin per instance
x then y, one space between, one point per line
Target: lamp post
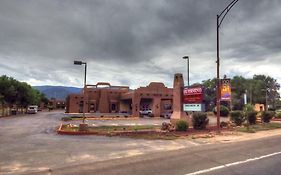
266 103
85 78
187 59
219 21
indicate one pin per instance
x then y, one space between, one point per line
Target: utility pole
219 21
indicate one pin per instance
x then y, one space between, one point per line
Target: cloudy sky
134 42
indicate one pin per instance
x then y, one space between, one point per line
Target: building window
92 107
167 106
113 107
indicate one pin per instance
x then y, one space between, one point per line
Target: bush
181 125
249 108
278 115
224 111
250 114
266 116
237 117
251 117
200 120
223 124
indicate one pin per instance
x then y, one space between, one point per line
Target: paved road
257 157
29 143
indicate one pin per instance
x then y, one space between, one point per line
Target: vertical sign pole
218 78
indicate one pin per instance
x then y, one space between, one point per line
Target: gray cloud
133 42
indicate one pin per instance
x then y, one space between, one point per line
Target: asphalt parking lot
30 143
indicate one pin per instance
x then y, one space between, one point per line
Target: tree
210 93
238 87
268 88
21 94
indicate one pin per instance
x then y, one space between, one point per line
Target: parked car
147 112
32 109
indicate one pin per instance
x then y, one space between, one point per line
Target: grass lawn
260 127
150 131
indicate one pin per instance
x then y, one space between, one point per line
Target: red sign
193 95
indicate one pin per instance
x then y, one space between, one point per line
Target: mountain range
58 92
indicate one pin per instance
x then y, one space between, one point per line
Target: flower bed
137 132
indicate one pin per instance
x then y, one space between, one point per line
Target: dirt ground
235 136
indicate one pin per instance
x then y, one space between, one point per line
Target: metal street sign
194 107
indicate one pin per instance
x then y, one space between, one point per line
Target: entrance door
81 107
113 107
92 107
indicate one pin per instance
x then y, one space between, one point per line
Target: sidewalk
235 136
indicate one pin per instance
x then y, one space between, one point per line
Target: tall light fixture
187 69
219 21
85 78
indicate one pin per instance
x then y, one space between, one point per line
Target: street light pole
219 21
187 59
218 77
84 88
266 103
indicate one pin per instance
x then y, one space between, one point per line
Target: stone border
190 131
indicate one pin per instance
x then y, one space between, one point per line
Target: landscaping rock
167 127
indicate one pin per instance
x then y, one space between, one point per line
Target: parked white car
146 112
32 109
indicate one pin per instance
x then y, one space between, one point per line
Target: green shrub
181 125
223 124
249 108
266 116
278 115
200 120
251 116
237 117
224 111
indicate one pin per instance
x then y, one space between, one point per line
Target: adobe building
259 107
57 104
104 98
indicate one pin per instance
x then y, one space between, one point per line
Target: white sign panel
196 107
